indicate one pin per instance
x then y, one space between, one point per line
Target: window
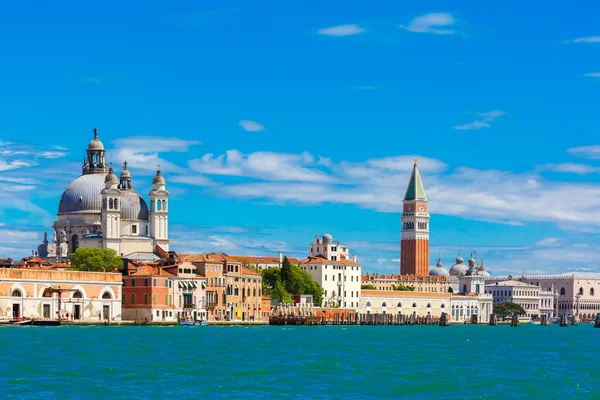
78 295
124 299
154 282
106 296
581 290
17 293
166 299
146 282
74 243
591 291
133 282
132 298
563 291
134 229
368 304
145 298
154 298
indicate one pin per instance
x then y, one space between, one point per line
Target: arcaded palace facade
99 210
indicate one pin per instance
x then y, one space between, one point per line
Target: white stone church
97 210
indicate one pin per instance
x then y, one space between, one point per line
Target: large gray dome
458 270
438 271
133 206
83 195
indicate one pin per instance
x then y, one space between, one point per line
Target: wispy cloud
431 23
485 120
591 152
569 167
342 30
587 39
548 242
593 74
251 126
143 152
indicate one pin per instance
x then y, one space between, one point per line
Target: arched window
106 296
116 204
384 304
166 299
124 299
368 304
78 295
254 292
132 298
164 205
428 305
158 205
414 305
74 243
399 305
581 290
16 293
443 305
236 291
154 298
591 291
110 204
145 298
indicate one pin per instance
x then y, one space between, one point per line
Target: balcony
189 306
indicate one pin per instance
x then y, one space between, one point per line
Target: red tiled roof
397 277
248 271
147 270
265 260
322 260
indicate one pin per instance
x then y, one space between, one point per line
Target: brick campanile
414 246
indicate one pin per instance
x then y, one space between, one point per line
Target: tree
450 290
402 288
278 292
368 287
508 308
286 274
270 277
97 260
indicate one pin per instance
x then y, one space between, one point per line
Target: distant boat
24 322
193 323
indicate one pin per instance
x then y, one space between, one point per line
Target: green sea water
354 362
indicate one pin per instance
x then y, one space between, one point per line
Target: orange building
414 248
163 293
233 292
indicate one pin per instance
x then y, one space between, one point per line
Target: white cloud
431 23
143 152
262 165
593 74
588 39
251 126
548 242
591 152
569 167
484 121
342 30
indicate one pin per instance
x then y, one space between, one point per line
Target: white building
471 299
329 265
513 291
97 210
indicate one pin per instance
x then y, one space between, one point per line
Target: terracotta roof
397 293
397 277
322 260
147 270
248 271
263 260
210 257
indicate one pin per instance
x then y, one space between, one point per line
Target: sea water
274 362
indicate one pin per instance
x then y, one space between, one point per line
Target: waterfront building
43 291
163 293
514 291
471 298
414 247
97 210
325 247
386 282
233 291
575 293
419 304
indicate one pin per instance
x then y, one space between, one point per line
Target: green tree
278 292
450 290
287 275
299 282
508 308
97 260
270 277
368 287
402 288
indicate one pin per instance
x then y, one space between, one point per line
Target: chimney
354 258
280 259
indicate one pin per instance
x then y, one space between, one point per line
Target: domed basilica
97 210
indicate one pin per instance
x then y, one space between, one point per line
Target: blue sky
275 121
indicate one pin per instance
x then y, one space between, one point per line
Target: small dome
158 179
438 270
96 144
484 273
111 177
458 269
459 259
472 262
327 238
133 206
125 174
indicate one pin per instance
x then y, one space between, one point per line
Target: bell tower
414 247
159 211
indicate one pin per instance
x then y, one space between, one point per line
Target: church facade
99 210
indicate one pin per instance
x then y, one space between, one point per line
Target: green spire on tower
415 190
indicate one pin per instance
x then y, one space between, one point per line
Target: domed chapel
99 210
